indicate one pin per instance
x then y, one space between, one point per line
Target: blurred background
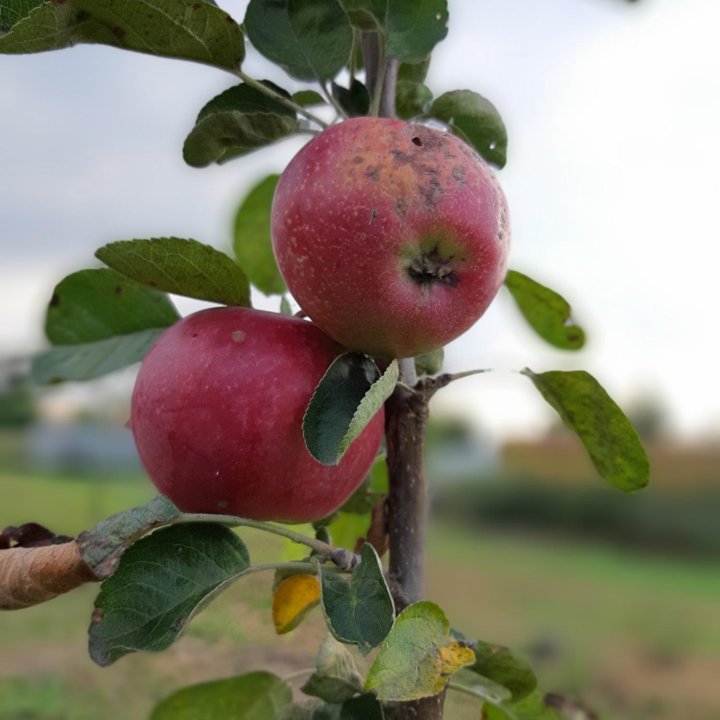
613 113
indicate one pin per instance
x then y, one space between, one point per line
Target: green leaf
12 11
481 686
306 98
364 707
254 696
412 99
309 39
430 363
532 707
366 497
182 267
547 312
354 101
414 72
412 27
608 436
98 304
336 678
285 307
236 122
418 656
361 611
475 120
500 665
102 546
86 361
349 395
183 29
251 240
160 583
346 529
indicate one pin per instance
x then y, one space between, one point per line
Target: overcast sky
613 113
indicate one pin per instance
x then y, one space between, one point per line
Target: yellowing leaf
453 656
418 656
293 599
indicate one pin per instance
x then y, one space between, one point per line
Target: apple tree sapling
392 236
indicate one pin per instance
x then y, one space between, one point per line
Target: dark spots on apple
402 158
97 616
54 300
401 207
357 160
373 173
430 170
417 141
459 174
119 290
431 193
238 336
373 214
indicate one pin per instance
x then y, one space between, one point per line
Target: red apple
391 236
217 416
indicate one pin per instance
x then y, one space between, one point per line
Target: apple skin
392 236
217 415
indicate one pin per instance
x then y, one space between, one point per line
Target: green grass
67 505
643 628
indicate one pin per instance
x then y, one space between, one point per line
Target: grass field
636 636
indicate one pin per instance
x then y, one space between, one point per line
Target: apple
217 415
392 236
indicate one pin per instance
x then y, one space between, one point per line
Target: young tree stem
405 424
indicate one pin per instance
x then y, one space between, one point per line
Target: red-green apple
392 236
217 416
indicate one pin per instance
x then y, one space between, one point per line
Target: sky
612 112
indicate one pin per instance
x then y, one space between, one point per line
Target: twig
280 98
341 557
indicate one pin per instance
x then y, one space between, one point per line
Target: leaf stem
297 674
280 98
341 557
331 99
466 690
304 567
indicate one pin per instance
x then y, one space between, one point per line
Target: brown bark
407 413
32 575
407 505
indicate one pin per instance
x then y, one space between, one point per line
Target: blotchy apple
217 416
391 236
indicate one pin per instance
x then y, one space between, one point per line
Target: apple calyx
431 267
